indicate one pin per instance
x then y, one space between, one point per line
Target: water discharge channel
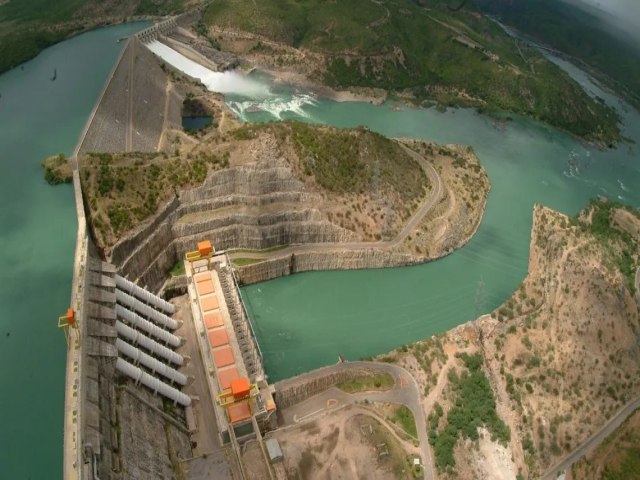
302 321
307 320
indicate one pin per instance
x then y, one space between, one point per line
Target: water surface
40 117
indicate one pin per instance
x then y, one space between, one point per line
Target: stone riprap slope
130 116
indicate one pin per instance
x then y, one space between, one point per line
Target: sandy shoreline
374 96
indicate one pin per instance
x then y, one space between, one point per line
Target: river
302 321
307 320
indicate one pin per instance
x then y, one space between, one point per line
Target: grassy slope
578 34
28 26
407 49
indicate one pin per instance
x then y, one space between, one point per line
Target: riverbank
334 47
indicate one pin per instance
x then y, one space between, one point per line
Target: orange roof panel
218 337
201 277
226 376
209 303
205 247
240 388
239 411
213 319
205 287
223 357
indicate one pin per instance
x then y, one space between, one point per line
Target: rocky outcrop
232 209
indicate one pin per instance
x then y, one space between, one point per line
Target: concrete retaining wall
316 261
297 389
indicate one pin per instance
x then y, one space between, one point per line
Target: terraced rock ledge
328 198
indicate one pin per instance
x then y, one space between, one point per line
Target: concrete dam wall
297 389
131 114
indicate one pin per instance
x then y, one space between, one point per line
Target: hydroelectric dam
163 380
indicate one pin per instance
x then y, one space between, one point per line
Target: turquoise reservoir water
39 117
302 321
306 320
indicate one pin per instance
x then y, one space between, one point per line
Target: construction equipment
240 390
205 251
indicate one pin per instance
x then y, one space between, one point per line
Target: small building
275 452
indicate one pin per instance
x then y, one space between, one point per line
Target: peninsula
165 376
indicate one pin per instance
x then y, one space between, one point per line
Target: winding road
405 391
594 440
426 206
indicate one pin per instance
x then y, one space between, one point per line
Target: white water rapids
255 95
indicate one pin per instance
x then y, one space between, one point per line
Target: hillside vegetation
367 181
544 371
566 349
579 34
418 52
29 26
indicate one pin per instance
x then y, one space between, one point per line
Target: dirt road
405 391
593 441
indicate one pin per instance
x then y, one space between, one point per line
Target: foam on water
222 82
255 96
275 106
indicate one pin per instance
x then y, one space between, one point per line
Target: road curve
405 391
593 441
427 205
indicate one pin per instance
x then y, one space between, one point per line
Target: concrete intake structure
144 295
150 344
149 327
158 317
155 384
151 363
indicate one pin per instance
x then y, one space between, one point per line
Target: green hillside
427 51
29 26
579 34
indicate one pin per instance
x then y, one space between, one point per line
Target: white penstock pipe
144 309
150 344
144 295
155 384
149 327
138 356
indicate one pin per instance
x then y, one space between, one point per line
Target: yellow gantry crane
205 251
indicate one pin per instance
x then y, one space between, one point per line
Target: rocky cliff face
259 205
564 351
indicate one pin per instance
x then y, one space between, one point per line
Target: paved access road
593 441
405 391
427 205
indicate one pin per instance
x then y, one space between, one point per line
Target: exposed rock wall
231 209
